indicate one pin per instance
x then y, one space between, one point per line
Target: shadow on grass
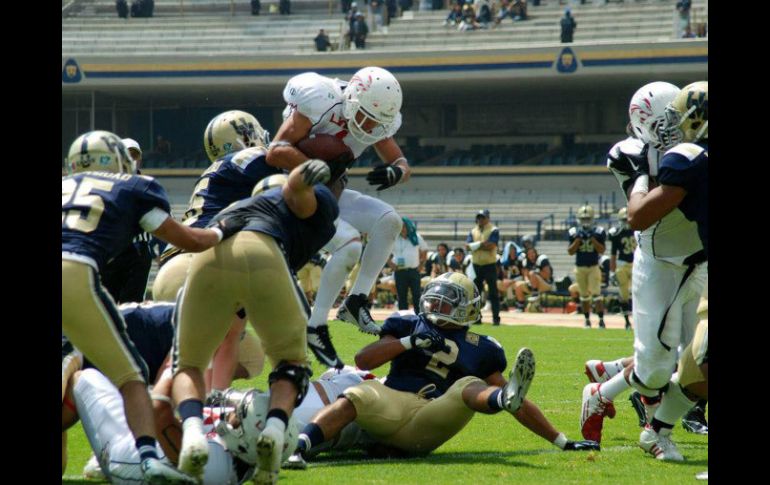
475 457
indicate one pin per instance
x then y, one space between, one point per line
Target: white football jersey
319 98
673 238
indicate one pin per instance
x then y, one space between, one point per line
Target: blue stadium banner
71 72
567 61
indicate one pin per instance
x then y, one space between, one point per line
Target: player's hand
385 176
585 445
614 279
231 224
627 169
431 341
315 171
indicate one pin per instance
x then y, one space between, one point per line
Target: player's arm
645 208
491 243
575 244
298 191
191 239
282 152
379 352
598 245
390 153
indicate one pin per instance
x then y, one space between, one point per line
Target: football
326 148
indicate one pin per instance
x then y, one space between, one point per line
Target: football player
283 228
587 244
441 374
104 206
236 144
538 277
622 260
668 274
363 112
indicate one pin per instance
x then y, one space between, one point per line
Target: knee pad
658 383
585 298
298 375
598 298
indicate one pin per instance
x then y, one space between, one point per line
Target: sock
702 404
660 427
587 315
378 249
601 316
614 386
191 408
311 436
146 447
495 401
673 406
280 415
277 424
332 280
613 367
194 424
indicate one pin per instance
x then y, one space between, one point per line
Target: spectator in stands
482 241
162 146
409 254
688 33
438 4
683 16
142 8
568 26
122 8
255 7
345 6
376 9
405 5
469 19
351 19
702 30
484 16
438 263
457 262
285 7
455 15
359 31
322 41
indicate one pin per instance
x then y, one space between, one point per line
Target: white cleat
519 380
659 446
92 470
269 451
596 372
702 475
295 462
155 472
194 454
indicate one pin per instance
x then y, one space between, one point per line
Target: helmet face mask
623 218
647 115
371 102
99 151
233 131
687 113
451 300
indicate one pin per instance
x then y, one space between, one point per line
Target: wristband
560 441
641 185
219 233
162 398
406 342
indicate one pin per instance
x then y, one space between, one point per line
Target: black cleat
355 310
588 323
320 343
601 324
695 421
638 405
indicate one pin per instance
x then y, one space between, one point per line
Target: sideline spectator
469 19
458 264
438 263
359 30
285 7
482 241
255 7
683 17
409 254
455 15
511 273
568 26
122 7
322 41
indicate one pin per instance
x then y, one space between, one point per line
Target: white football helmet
251 409
375 94
231 131
647 113
99 151
451 298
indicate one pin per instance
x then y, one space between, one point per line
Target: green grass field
496 449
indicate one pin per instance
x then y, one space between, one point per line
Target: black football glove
385 176
431 341
585 445
627 168
230 224
315 171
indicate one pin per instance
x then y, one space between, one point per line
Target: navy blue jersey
541 264
471 355
101 212
229 179
151 329
623 243
586 254
686 165
300 238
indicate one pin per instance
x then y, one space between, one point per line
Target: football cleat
596 372
194 454
587 324
595 408
354 310
295 462
92 470
269 450
659 446
695 421
702 475
601 324
519 380
155 472
639 407
320 343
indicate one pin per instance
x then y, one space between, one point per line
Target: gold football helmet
232 131
453 299
586 216
688 113
623 217
99 151
271 182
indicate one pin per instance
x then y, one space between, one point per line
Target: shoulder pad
541 259
613 231
572 231
492 339
244 157
689 150
599 230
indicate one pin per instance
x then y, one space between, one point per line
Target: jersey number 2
79 194
440 361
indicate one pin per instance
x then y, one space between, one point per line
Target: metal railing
458 228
